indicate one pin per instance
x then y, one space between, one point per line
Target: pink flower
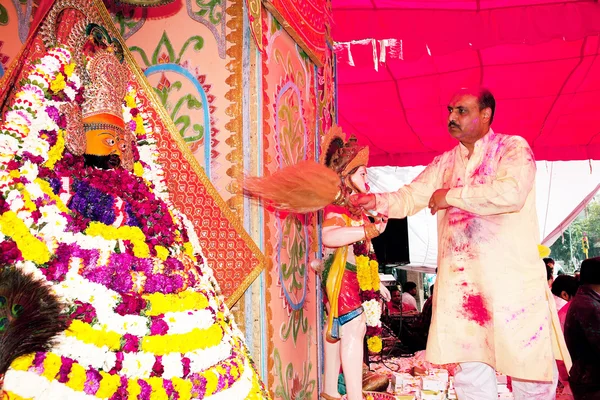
84 312
158 369
130 343
131 304
158 326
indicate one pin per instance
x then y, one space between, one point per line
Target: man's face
396 297
466 122
413 292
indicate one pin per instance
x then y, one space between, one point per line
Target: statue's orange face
104 135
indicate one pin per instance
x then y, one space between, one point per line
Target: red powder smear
475 309
464 284
460 269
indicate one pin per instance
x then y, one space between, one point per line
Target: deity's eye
110 142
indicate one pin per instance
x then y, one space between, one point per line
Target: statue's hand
366 201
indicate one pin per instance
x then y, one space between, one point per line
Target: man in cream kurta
490 307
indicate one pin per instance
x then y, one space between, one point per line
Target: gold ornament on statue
95 129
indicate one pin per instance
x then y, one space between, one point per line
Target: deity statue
350 275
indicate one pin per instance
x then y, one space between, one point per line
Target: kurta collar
488 137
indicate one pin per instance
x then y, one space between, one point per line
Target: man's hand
366 201
438 201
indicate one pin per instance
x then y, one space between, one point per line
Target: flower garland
367 274
147 321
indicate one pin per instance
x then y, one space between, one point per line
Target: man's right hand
366 201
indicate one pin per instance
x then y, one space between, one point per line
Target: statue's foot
325 396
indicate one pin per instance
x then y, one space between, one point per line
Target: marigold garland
131 233
367 274
160 303
31 248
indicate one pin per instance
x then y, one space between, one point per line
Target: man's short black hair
590 271
549 260
431 290
408 286
486 99
567 283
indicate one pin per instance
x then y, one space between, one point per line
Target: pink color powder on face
476 310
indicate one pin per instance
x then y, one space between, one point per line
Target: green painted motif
211 8
126 22
292 386
293 276
160 57
165 55
3 15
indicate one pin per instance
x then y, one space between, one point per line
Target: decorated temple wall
290 132
245 97
15 21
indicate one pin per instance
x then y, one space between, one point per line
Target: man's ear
564 295
487 113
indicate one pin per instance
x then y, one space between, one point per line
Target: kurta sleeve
508 191
411 198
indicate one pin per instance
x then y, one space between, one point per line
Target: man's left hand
438 201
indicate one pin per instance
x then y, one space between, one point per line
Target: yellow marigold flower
23 363
139 125
14 396
183 343
184 388
52 364
77 378
47 189
162 252
134 389
108 385
32 248
138 169
56 152
69 68
189 250
15 173
58 83
212 382
184 301
158 391
97 337
130 101
374 344
131 233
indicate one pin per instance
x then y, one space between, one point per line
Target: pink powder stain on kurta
475 309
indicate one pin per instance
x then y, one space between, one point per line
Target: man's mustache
453 124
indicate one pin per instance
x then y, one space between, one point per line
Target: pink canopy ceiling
539 58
